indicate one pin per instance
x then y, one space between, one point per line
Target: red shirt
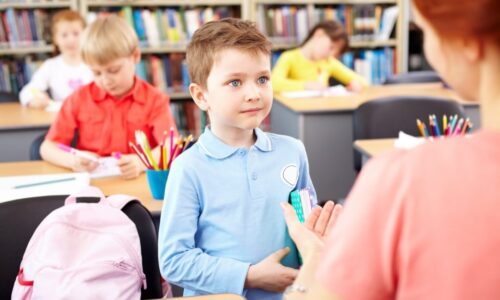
106 124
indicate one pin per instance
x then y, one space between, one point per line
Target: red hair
68 16
454 18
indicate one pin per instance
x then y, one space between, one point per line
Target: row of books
166 26
166 72
14 74
363 22
188 118
24 27
374 65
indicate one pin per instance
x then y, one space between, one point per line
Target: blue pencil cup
157 181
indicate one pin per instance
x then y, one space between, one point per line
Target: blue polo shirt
222 212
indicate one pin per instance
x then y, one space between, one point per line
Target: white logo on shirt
290 175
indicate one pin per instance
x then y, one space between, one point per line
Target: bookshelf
25 39
164 49
164 29
376 29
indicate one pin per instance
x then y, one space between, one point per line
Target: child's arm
269 274
181 261
34 93
50 152
304 180
281 81
343 74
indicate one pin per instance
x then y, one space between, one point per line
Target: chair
385 117
414 77
35 147
8 97
37 142
20 218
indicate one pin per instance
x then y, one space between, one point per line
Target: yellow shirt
293 70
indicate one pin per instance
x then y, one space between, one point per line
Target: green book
297 205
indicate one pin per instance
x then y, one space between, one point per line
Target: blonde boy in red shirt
108 111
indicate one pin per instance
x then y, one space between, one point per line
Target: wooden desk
112 185
19 126
324 125
372 148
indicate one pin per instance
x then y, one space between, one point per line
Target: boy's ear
136 55
196 92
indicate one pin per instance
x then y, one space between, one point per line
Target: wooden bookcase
25 31
397 41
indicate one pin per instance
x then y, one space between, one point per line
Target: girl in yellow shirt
310 66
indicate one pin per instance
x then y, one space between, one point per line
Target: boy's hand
130 166
309 236
40 100
81 164
269 274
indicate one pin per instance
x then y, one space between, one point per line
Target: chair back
8 97
20 218
414 77
385 117
35 147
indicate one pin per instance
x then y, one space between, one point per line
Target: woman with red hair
423 224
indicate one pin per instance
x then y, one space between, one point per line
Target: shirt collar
214 147
137 92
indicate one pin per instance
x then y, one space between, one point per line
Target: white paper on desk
406 141
108 166
337 90
8 192
53 106
302 94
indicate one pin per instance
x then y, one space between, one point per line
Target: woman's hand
309 237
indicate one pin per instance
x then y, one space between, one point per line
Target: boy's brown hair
215 36
107 39
335 31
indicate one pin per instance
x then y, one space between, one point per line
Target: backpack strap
89 191
118 201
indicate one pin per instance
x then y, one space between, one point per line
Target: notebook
108 166
18 187
302 202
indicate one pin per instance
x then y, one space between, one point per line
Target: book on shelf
188 117
290 24
374 65
24 28
15 73
156 27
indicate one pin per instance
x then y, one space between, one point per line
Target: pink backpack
83 251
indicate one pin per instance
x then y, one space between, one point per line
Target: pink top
421 224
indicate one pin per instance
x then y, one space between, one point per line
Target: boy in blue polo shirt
222 229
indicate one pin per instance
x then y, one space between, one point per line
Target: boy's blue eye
235 83
263 80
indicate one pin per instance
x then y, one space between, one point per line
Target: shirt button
254 176
242 152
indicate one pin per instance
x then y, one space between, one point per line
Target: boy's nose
252 93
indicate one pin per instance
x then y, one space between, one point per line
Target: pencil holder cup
157 181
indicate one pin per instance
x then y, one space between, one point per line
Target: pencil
445 124
44 182
420 128
436 123
144 161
